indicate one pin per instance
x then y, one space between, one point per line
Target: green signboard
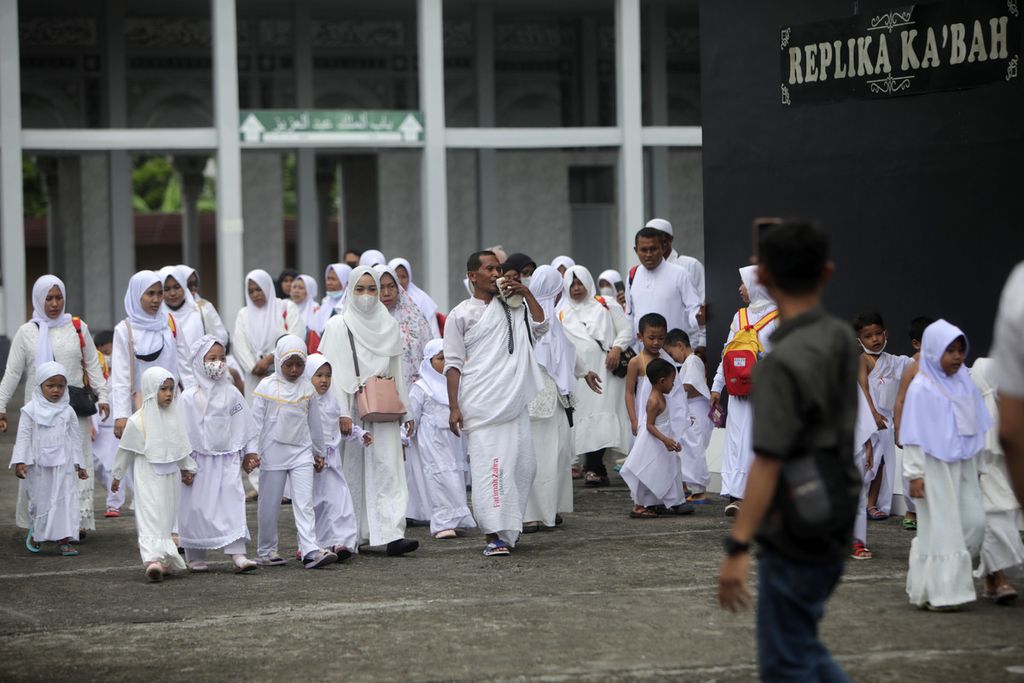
330 126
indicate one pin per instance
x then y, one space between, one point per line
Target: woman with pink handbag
364 348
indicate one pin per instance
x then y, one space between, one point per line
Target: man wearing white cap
694 271
656 286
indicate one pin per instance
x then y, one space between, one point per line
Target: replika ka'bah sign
905 51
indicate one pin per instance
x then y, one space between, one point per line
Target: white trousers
272 484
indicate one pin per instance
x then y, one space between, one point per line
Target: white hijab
612 276
588 320
189 271
330 408
42 411
149 332
156 433
986 377
417 295
553 351
945 415
266 322
279 387
188 305
42 287
331 306
376 333
761 304
372 257
433 383
308 308
562 261
212 427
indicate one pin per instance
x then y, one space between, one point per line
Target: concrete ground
602 598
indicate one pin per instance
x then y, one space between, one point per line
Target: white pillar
628 106
12 219
230 230
434 178
308 229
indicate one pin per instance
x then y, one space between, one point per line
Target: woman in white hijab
943 428
259 325
372 257
376 476
51 336
411 323
1002 548
212 323
403 271
562 263
599 329
551 493
189 319
606 286
335 284
303 293
156 448
738 452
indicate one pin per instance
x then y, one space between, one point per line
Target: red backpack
742 353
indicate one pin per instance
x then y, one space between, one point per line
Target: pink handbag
377 398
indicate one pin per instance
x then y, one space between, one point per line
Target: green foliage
151 180
33 189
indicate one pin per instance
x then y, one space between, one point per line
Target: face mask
335 295
526 280
215 369
874 353
608 292
364 302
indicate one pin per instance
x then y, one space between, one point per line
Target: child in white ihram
156 449
652 469
438 452
943 429
690 417
336 524
291 446
48 455
211 512
865 434
1001 548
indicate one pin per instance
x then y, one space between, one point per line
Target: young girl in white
48 455
291 446
154 445
652 469
211 512
1002 548
258 327
439 453
336 525
943 428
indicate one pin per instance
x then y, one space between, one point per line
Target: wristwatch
734 547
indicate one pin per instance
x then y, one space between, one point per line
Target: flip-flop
66 550
909 524
497 549
32 547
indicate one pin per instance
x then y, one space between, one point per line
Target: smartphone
620 286
760 227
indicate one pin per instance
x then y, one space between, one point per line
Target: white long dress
551 492
651 471
883 385
695 427
950 529
336 523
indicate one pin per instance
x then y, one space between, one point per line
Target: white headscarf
553 351
376 333
280 387
188 305
986 378
944 415
40 290
308 308
417 295
414 327
760 302
149 332
331 306
611 276
154 432
265 323
431 381
213 426
189 271
588 320
562 261
372 257
330 408
42 411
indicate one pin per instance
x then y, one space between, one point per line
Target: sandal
532 527
641 512
66 550
31 544
909 524
155 572
1004 594
593 479
698 499
876 515
860 551
275 561
497 549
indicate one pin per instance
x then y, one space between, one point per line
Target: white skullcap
660 224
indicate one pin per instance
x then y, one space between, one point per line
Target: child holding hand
652 469
155 448
48 455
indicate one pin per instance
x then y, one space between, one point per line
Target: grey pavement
602 598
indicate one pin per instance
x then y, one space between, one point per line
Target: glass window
670 62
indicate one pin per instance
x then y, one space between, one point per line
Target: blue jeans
790 602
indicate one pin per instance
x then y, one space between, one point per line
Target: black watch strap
734 547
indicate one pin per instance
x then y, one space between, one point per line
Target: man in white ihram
694 271
492 376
